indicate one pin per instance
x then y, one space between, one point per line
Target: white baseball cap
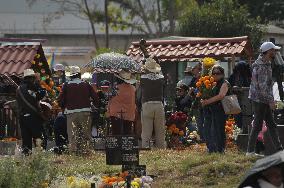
268 46
74 70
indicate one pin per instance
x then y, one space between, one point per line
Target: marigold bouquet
206 86
232 131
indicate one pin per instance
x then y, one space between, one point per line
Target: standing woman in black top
215 117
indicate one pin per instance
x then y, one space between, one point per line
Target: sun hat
74 70
182 87
152 66
268 46
59 67
125 76
29 72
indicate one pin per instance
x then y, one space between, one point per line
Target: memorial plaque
135 170
113 150
99 142
122 150
130 152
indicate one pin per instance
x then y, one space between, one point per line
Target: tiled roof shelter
17 55
186 48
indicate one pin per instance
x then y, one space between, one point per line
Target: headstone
113 150
130 152
99 142
122 150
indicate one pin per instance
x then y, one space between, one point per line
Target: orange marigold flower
181 133
211 79
198 94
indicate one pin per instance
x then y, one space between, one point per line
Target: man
31 122
183 99
76 103
262 96
152 115
188 76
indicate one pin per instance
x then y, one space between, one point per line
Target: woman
215 117
122 107
183 100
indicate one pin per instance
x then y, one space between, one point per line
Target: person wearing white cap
30 119
152 96
261 95
75 100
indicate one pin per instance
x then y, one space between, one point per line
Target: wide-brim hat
59 67
74 70
126 77
152 66
29 72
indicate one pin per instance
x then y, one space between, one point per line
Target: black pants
263 112
214 128
121 127
31 128
60 132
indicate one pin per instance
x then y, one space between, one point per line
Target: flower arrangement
174 136
178 119
205 86
232 131
120 181
208 63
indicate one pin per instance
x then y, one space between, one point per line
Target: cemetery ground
174 168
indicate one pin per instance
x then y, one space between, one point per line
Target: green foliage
221 18
173 168
107 50
267 10
30 172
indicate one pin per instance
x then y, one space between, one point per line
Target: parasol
262 164
113 63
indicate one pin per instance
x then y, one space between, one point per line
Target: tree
267 10
221 18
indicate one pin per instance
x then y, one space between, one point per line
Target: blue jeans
214 128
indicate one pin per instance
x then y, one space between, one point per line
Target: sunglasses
216 73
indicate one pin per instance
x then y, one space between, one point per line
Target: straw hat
125 76
74 70
29 72
152 66
59 67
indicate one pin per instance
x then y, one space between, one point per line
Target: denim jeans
214 128
263 112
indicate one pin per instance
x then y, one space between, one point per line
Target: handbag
231 105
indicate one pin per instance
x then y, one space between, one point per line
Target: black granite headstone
113 150
130 152
122 150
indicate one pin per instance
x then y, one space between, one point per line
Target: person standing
152 115
28 96
122 106
75 100
261 95
188 76
214 115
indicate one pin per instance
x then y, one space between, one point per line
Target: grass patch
184 168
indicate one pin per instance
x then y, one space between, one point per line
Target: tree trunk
145 19
171 16
159 17
92 24
107 23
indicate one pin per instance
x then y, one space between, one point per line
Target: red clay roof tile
185 48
